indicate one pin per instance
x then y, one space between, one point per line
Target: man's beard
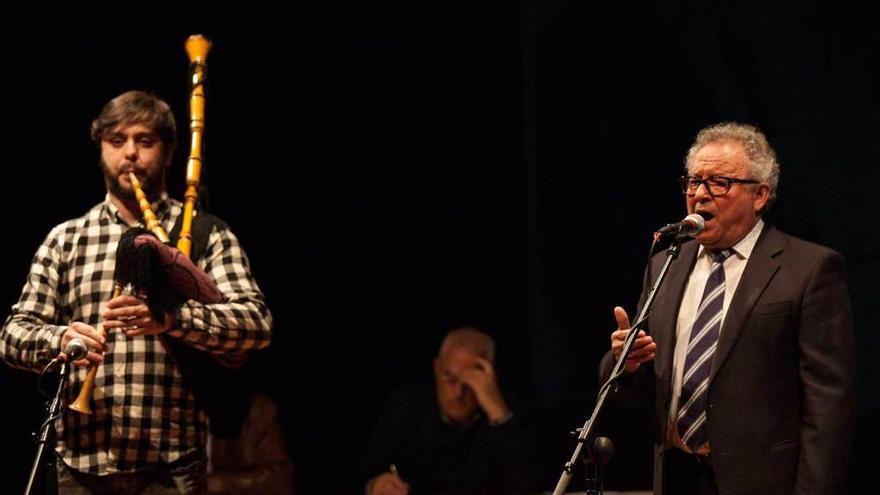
150 184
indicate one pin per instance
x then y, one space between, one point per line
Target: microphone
76 349
692 225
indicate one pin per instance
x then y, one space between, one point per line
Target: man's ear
762 195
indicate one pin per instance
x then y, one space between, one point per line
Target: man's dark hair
137 107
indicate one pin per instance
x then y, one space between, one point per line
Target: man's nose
458 390
701 193
130 149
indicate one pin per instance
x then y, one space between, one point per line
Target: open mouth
706 215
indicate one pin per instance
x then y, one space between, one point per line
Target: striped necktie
701 347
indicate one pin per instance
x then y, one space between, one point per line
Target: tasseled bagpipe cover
166 278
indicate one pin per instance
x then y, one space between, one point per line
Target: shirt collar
743 248
464 425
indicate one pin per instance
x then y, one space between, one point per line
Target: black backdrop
396 170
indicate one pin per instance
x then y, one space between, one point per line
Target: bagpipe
159 268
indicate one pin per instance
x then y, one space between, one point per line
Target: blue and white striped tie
701 347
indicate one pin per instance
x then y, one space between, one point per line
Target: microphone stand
46 436
584 433
595 459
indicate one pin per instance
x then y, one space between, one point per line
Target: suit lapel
760 269
664 313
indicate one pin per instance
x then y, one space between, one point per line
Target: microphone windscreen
76 349
698 221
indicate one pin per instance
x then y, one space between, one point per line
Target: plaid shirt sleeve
242 321
30 338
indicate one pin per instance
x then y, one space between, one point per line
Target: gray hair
472 339
762 158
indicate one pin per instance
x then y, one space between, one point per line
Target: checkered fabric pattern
143 413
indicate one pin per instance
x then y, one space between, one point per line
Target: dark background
396 170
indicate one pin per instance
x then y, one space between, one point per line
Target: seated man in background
460 438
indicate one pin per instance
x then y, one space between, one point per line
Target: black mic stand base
46 437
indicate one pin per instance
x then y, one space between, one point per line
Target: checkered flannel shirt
143 414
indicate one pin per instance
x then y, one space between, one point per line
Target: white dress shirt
693 295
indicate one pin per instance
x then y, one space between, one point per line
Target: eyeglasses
717 185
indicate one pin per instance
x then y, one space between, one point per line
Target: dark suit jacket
781 392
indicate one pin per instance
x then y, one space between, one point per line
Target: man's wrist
175 328
500 420
56 341
499 413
